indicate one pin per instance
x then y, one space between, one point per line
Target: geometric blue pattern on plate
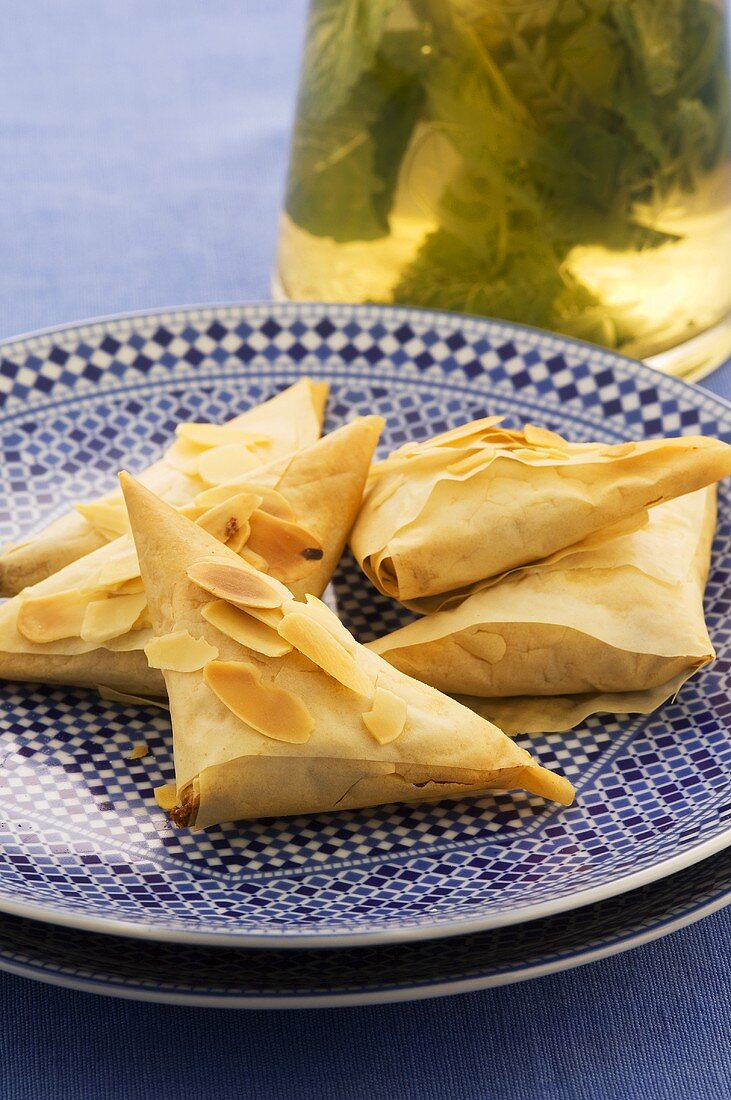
82 841
224 977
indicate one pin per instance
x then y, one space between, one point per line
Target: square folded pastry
203 455
89 624
277 710
446 517
617 627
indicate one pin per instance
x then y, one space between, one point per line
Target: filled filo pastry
203 455
443 518
617 627
277 710
88 623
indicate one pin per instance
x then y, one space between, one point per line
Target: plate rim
450 927
691 915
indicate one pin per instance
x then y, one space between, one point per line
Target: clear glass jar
562 163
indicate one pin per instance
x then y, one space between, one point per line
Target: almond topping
316 642
290 550
123 568
111 695
256 561
183 456
239 585
470 464
269 709
387 717
51 618
227 520
245 629
166 797
217 435
272 616
327 618
111 618
138 752
225 463
108 517
179 652
543 437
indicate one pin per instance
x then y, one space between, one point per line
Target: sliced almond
327 618
130 587
269 709
138 751
471 463
387 717
543 437
239 585
226 463
132 642
179 652
112 617
272 616
256 561
272 501
108 517
51 618
226 521
323 649
217 435
290 551
183 456
166 797
244 629
119 570
111 695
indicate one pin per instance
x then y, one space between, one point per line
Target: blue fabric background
142 153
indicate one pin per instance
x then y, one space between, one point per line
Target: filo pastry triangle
448 516
202 455
277 710
88 624
613 628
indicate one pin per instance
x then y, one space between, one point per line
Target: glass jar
562 163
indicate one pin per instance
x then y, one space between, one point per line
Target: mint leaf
343 170
341 43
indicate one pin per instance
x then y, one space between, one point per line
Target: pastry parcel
202 456
88 623
277 710
618 627
448 516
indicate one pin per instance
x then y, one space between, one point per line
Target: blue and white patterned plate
82 842
224 977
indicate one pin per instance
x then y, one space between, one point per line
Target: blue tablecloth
143 147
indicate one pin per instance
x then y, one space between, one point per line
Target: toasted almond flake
179 652
272 616
218 435
269 709
138 752
112 617
121 569
108 517
111 695
245 629
291 551
183 456
471 463
543 437
327 618
238 584
316 642
227 520
387 717
272 501
256 561
51 618
166 797
226 463
135 640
